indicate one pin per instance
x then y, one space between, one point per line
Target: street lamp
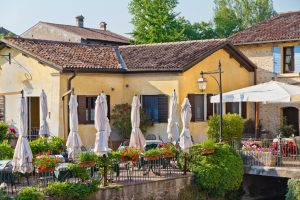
202 83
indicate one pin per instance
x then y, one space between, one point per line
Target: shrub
56 145
121 119
218 173
6 152
79 172
30 193
3 195
293 190
68 191
3 130
87 156
232 127
285 129
39 146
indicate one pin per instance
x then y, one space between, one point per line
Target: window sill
288 75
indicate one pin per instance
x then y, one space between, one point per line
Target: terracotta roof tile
91 33
283 27
167 56
69 55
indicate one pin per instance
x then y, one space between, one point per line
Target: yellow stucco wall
234 77
28 74
120 87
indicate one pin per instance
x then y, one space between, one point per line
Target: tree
154 21
232 16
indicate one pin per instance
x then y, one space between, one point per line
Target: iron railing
122 172
278 152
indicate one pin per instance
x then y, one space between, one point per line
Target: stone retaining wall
155 190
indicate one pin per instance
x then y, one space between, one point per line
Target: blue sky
19 15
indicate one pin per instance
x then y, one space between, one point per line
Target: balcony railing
269 152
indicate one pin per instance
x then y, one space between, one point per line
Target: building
5 32
78 33
150 71
274 46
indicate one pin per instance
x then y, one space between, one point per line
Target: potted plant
45 162
130 154
167 150
152 154
208 147
87 159
11 136
285 129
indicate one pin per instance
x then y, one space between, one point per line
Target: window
86 108
2 108
155 107
202 109
288 60
237 108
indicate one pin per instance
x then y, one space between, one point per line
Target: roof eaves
55 66
265 42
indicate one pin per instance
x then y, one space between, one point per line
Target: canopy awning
269 92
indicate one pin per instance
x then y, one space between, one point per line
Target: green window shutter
162 108
297 58
276 60
209 106
2 108
81 99
191 98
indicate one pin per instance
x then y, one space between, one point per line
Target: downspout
69 85
256 107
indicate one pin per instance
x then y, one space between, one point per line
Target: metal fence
121 172
268 152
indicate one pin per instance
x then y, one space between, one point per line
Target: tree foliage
232 16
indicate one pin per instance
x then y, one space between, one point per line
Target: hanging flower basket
169 155
207 151
87 164
149 158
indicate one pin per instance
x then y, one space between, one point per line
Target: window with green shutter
156 107
86 108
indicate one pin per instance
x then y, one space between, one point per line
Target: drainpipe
69 85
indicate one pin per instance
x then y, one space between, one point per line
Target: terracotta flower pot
169 155
207 151
87 164
149 158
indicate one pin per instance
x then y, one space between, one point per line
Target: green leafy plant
56 145
219 173
285 129
39 146
87 156
152 152
6 152
232 127
249 126
30 193
293 190
3 130
3 195
209 143
70 191
121 120
79 172
167 149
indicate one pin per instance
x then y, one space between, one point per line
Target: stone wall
262 56
161 189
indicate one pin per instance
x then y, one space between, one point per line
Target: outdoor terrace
270 157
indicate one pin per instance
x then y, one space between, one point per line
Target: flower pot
87 164
39 170
149 158
169 155
207 151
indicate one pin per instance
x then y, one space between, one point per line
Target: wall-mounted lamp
8 56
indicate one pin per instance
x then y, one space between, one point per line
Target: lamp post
202 83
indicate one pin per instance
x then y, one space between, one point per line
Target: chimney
80 20
103 26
